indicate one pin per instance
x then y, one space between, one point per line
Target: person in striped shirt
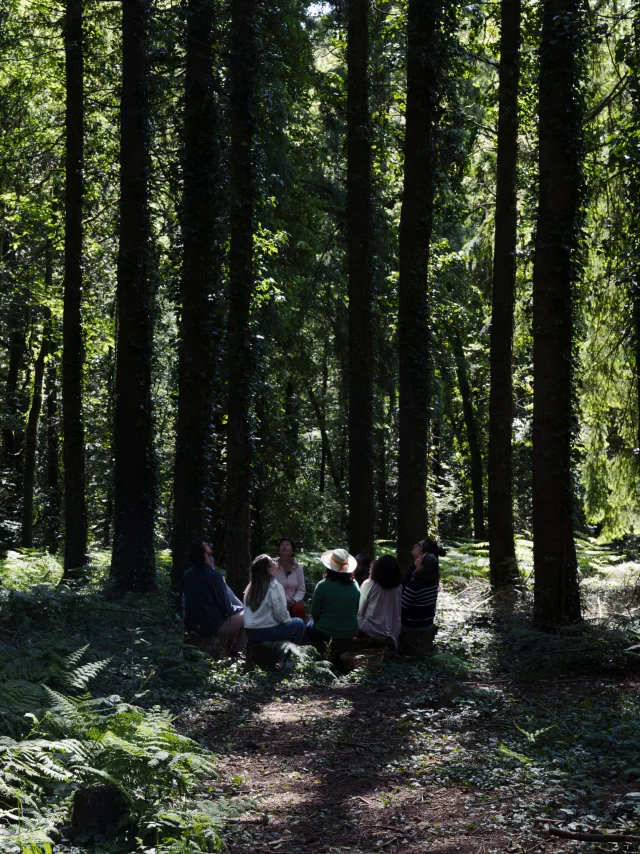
420 595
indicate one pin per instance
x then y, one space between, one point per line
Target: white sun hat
339 560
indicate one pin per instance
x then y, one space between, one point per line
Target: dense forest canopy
249 259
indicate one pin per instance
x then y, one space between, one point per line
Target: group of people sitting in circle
357 597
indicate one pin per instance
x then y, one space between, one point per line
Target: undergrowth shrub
78 741
20 570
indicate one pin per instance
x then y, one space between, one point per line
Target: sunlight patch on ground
283 712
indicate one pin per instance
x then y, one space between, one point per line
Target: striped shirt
419 603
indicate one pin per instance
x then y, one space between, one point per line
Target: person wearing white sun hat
334 609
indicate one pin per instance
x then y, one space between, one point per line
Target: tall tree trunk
75 508
415 236
107 519
258 544
216 533
359 232
31 443
51 536
133 561
382 487
241 280
634 199
326 445
323 458
556 593
199 286
18 315
291 431
473 441
502 548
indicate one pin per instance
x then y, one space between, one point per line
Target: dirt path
326 766
500 736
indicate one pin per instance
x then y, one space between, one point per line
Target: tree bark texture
556 593
52 473
382 528
133 561
473 442
323 457
75 507
241 280
31 441
634 199
199 288
502 550
415 235
359 233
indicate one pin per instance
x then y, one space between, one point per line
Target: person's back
266 617
420 595
335 608
379 612
210 607
204 600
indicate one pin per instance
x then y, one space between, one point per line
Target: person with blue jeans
266 617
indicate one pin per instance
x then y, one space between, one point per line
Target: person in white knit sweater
266 617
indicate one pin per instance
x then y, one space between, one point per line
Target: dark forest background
346 272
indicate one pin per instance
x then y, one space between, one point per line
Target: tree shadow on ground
455 753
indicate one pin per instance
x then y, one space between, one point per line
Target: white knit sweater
272 609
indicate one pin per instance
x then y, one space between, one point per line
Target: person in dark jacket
211 608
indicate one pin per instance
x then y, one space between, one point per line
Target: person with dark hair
289 573
334 609
380 598
423 547
210 607
266 617
363 569
421 594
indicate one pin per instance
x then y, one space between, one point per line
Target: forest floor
501 738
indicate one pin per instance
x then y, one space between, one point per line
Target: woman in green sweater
334 609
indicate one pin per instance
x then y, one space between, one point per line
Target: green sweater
335 608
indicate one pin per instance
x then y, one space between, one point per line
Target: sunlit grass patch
20 570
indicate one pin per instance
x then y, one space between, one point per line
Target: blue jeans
313 635
283 631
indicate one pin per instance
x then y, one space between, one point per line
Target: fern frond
71 661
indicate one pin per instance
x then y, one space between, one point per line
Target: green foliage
80 741
22 570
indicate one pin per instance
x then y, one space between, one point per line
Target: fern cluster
78 741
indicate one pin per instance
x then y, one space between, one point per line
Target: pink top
379 611
293 583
